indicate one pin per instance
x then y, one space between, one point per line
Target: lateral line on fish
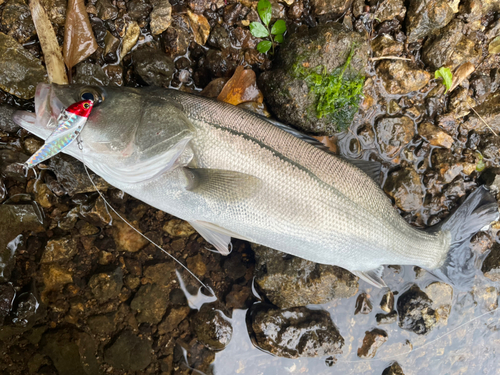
136 230
388 358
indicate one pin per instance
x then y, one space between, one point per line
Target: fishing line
80 146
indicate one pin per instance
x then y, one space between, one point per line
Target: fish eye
96 94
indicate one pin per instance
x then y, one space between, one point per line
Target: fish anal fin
229 186
371 168
373 277
219 237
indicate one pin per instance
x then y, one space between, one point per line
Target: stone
475 9
173 319
239 297
102 324
400 78
138 9
451 48
56 10
415 311
55 277
289 281
131 37
150 302
26 311
288 95
153 66
441 295
390 9
175 40
127 239
106 285
363 305
21 71
161 16
90 75
491 265
7 294
321 7
434 135
219 38
178 228
129 352
296 332
425 17
6 123
16 19
200 27
106 10
197 265
405 188
489 111
372 341
394 133
59 250
385 45
394 369
212 327
390 318
387 302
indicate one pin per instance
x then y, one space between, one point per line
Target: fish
69 125
231 173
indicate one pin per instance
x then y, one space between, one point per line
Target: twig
389 58
485 123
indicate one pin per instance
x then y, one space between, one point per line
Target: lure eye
96 94
86 105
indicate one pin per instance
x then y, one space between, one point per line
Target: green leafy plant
338 94
261 30
446 75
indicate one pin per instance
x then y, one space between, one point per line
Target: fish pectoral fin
219 237
373 277
228 186
371 168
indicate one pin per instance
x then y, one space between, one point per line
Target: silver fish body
231 173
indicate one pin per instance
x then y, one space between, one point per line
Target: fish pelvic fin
217 236
479 210
372 277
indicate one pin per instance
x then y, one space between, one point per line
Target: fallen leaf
242 87
130 38
54 63
330 142
79 40
462 72
200 27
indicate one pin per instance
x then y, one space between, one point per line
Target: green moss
338 94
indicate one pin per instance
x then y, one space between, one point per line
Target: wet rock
286 93
150 302
405 188
16 19
59 250
106 286
106 10
385 45
161 16
400 78
173 319
7 294
491 265
71 175
394 369
90 75
451 48
290 281
321 7
153 66
475 9
214 88
25 312
296 332
176 40
234 12
390 318
387 302
239 297
415 311
129 352
131 37
441 295
489 110
434 135
390 9
393 134
126 238
6 123
212 327
200 27
425 17
55 276
178 228
21 72
102 324
363 305
219 38
138 9
372 341
56 10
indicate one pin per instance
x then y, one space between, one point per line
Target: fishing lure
69 125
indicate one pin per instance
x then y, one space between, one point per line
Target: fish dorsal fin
220 184
371 168
373 277
219 237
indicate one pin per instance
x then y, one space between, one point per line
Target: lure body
69 125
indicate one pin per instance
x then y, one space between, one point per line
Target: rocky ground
82 293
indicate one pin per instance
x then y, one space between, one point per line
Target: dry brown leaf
79 40
330 142
54 63
462 72
200 26
241 88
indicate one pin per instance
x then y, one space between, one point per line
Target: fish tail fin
477 212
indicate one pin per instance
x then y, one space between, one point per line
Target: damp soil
81 293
